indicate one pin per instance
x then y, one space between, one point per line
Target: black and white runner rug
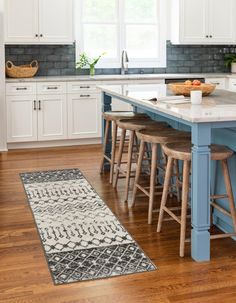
82 238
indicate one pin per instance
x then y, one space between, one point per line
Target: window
110 26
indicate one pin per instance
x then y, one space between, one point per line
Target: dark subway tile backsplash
55 60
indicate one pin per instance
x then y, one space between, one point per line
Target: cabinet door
222 21
193 21
21 118
52 117
219 82
56 21
84 116
21 21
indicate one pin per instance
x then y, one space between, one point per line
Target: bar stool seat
182 151
132 126
156 138
163 137
139 124
117 115
111 117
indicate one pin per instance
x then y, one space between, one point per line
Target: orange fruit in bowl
197 83
188 82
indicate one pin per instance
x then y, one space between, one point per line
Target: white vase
233 68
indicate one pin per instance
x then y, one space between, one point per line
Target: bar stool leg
138 171
152 181
184 207
113 151
121 147
229 191
165 192
106 136
129 163
176 164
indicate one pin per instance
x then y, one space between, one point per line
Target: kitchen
76 224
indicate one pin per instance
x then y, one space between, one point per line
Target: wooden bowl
183 89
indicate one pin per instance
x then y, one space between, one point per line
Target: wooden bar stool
111 118
155 138
132 126
182 151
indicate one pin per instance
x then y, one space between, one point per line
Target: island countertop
220 106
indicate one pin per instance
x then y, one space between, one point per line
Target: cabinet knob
41 35
207 36
36 35
210 36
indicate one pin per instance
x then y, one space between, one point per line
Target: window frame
159 62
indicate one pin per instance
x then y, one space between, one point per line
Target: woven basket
183 89
21 71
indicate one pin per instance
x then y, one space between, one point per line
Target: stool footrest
221 236
170 213
221 209
214 197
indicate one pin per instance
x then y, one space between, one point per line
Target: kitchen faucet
124 62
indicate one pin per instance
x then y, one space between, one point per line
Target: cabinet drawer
219 82
232 84
51 88
86 95
14 89
77 87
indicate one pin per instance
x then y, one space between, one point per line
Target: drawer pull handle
84 86
21 88
39 105
216 83
84 96
35 108
52 87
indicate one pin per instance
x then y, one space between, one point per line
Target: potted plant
230 61
85 61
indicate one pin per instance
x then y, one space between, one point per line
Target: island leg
200 236
106 106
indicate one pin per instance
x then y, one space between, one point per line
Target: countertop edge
118 77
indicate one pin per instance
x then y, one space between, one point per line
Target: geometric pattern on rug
81 237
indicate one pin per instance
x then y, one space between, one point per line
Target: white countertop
118 77
220 106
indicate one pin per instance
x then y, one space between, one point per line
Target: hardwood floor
24 275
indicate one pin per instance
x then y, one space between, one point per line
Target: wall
58 60
2 85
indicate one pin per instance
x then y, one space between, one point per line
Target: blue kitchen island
211 122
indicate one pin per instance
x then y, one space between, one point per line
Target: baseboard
59 143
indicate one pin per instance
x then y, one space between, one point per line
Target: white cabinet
219 82
21 118
52 117
55 21
35 117
21 21
84 116
232 84
39 21
84 111
203 21
222 21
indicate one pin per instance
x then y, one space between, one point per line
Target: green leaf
229 59
84 60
